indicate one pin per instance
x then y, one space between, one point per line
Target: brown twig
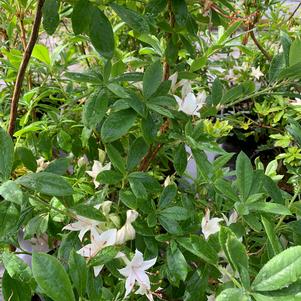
22 69
294 12
259 46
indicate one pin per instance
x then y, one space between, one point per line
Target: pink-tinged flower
96 169
135 272
210 225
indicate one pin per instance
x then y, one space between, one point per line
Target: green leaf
36 226
104 256
272 237
225 188
64 141
180 159
229 32
14 290
170 225
294 54
217 92
269 208
111 177
244 174
116 158
58 166
78 272
51 18
294 129
11 192
9 214
131 18
88 211
277 64
26 156
198 246
167 196
259 297
95 109
81 16
175 213
138 188
149 128
176 262
117 125
46 183
41 53
179 8
280 271
6 155
17 268
231 294
286 45
196 286
238 92
101 34
137 151
291 72
273 190
152 79
51 277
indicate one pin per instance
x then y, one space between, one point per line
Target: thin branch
259 46
22 69
294 12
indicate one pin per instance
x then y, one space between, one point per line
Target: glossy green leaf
231 294
137 151
167 196
11 192
6 155
244 174
117 125
294 54
81 16
152 79
280 271
95 109
176 263
51 277
272 237
101 33
116 158
198 246
46 183
180 159
78 272
51 18
132 18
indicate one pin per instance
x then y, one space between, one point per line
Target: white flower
98 242
296 102
167 181
96 169
191 104
184 83
42 164
83 225
211 298
256 73
127 232
210 226
82 161
232 218
135 271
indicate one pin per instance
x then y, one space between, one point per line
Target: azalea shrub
150 150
